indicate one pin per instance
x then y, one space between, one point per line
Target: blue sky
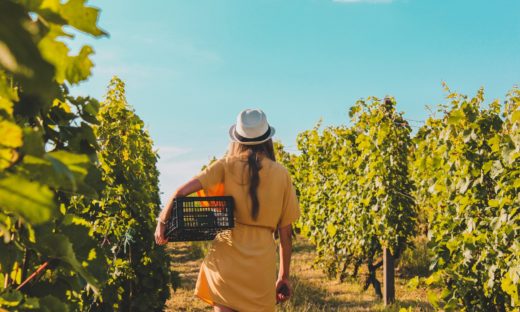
191 65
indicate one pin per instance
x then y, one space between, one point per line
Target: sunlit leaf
30 200
11 134
79 67
82 17
71 68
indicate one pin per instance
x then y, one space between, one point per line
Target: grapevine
466 168
354 189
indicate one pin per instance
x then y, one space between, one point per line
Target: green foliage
30 200
50 177
124 215
287 159
467 171
415 261
356 196
47 157
354 188
383 142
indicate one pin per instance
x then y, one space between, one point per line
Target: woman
239 271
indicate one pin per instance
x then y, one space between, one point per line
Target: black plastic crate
199 218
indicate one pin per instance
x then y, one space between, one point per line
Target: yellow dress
239 270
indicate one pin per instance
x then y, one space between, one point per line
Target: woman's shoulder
278 166
273 166
278 169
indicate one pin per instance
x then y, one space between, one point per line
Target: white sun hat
251 128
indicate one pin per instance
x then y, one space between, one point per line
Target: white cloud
167 153
363 1
176 166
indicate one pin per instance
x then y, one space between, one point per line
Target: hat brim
233 137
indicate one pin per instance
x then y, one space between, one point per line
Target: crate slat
199 218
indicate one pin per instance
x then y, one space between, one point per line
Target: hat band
260 138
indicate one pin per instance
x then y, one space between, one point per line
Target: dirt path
314 292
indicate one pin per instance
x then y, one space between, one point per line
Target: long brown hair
253 152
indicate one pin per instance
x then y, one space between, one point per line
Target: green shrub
415 261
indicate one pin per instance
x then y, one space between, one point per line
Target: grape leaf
30 200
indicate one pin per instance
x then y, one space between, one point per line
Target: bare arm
285 263
191 186
285 251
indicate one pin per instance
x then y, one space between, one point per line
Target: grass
313 291
186 259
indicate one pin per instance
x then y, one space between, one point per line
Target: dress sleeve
291 207
212 176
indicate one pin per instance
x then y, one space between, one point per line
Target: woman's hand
160 238
283 289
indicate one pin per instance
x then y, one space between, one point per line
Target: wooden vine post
388 277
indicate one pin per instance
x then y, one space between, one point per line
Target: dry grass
313 291
186 259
